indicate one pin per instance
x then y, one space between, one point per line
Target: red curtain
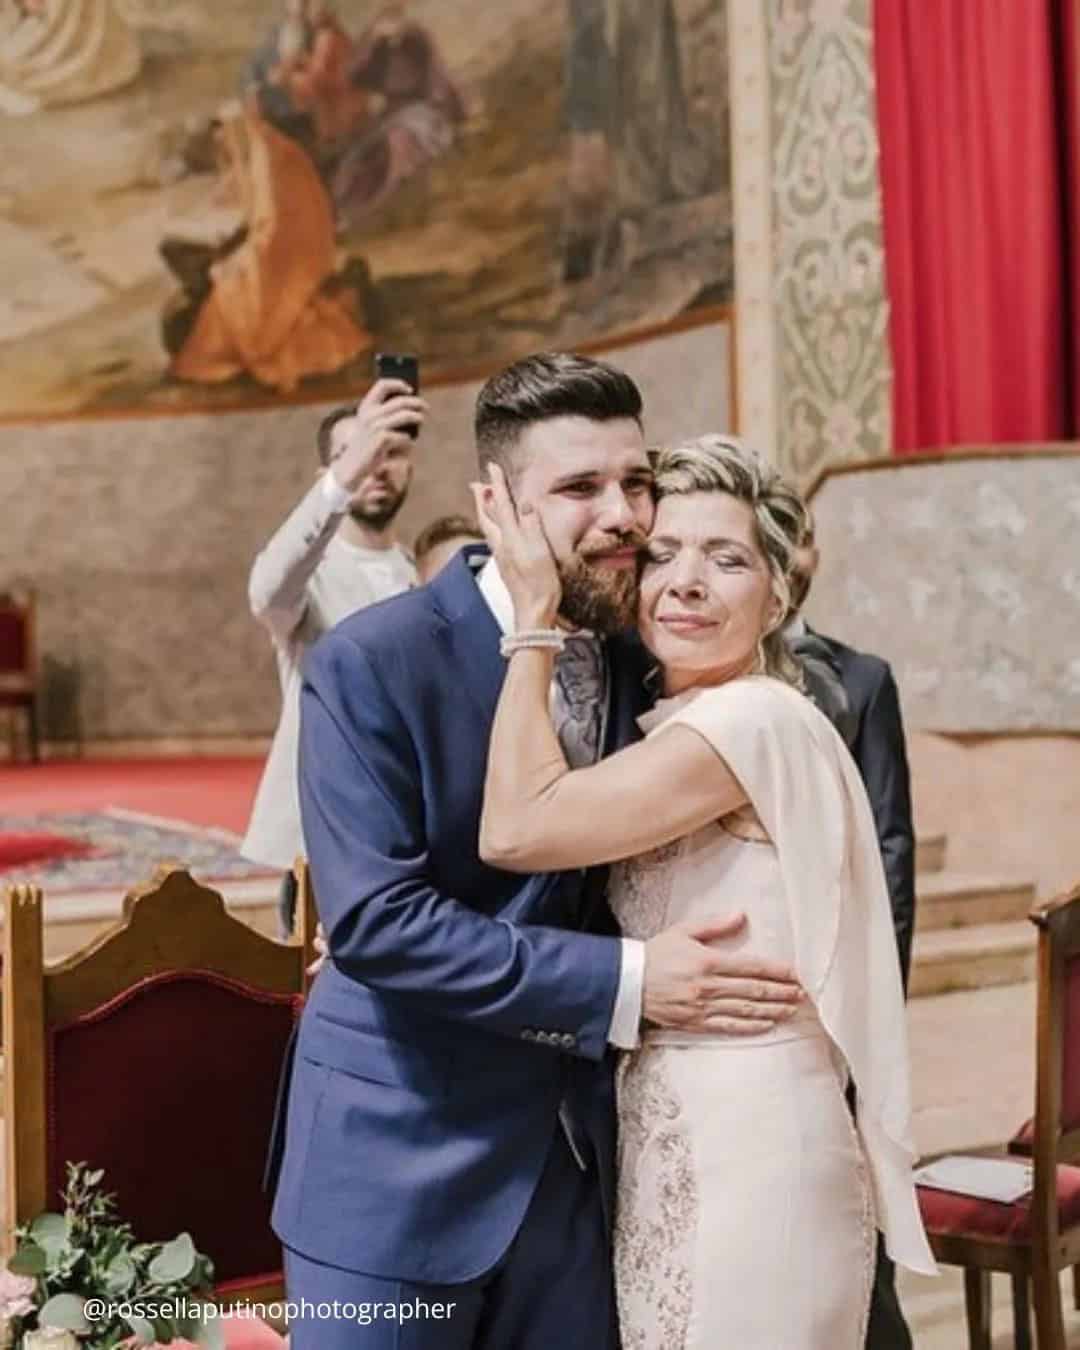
970 97
1068 41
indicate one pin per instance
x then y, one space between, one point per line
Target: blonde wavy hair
781 520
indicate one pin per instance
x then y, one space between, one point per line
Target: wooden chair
1036 1238
307 918
19 664
155 1054
1021 1145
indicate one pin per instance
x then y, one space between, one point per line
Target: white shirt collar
495 592
499 601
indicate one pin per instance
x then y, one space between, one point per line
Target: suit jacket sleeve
881 754
363 811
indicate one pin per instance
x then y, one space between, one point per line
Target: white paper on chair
1003 1179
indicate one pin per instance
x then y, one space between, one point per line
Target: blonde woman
748 1199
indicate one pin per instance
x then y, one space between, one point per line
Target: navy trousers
552 1287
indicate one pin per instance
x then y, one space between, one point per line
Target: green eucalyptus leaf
120 1274
144 1330
64 1311
163 1331
50 1231
29 1259
175 1261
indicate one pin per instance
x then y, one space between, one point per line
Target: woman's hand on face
521 550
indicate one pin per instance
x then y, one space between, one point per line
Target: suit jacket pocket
363 1053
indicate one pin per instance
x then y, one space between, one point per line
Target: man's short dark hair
439 531
546 385
327 425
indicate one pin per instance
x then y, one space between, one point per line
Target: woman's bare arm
539 815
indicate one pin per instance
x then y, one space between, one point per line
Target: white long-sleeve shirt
303 582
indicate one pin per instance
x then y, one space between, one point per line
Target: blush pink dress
748 1202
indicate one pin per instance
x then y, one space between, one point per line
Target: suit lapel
469 633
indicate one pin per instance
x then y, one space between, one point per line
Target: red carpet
16 850
208 792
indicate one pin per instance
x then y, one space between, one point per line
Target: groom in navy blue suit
448 1166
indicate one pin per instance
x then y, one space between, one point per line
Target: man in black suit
874 733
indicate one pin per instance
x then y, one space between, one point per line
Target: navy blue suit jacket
461 1004
878 746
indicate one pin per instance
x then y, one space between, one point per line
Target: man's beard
378 517
602 599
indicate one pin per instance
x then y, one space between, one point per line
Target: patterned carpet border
130 847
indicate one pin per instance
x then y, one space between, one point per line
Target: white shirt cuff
626 1015
336 497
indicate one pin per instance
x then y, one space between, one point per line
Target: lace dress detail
643 886
654 1228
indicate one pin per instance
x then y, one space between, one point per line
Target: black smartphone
396 366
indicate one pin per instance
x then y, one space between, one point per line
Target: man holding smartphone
337 552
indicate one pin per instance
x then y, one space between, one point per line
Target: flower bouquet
86 1261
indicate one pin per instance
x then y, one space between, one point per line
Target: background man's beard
378 517
601 599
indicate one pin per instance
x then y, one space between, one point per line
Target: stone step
972 957
962 899
929 852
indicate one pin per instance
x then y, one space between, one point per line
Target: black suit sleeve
881 754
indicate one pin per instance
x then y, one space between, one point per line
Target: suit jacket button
568 1041
528 1034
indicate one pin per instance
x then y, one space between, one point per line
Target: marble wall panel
963 573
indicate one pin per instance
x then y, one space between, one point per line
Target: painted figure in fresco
419 110
62 51
301 75
590 166
275 309
631 146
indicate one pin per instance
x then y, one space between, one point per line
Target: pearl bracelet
532 639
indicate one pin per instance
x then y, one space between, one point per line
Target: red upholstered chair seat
182 1065
947 1214
14 653
18 664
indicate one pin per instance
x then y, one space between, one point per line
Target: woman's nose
686 581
